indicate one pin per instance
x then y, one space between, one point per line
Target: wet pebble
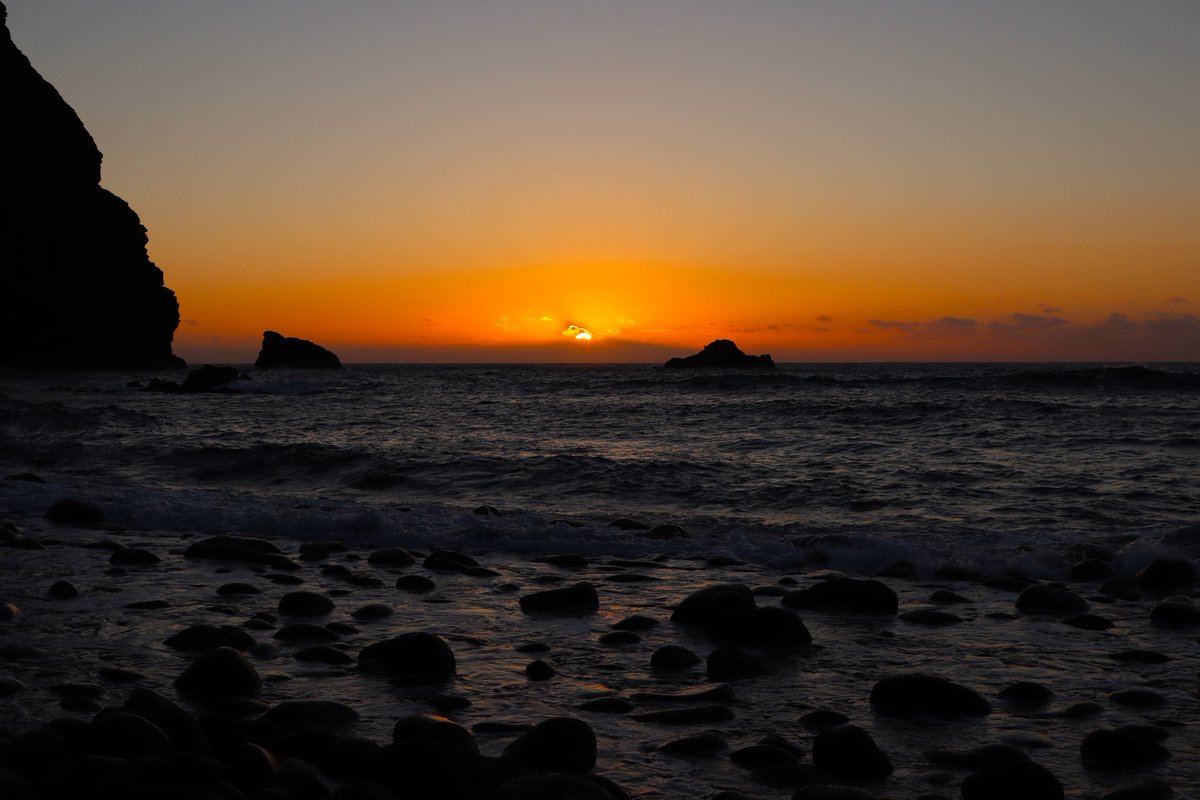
700 745
539 670
673 657
563 744
415 583
1012 779
577 599
305 604
63 590
849 752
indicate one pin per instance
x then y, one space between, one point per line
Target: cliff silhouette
77 288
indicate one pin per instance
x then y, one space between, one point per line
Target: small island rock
287 351
721 354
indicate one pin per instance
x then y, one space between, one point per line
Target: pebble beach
141 663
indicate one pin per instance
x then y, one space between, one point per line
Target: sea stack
721 354
77 288
286 351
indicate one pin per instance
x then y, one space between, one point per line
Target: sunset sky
827 180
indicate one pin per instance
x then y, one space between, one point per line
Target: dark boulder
721 354
293 715
287 351
849 753
1116 749
305 604
391 557
429 727
1173 614
202 637
673 657
760 627
580 598
219 673
1046 599
122 734
206 379
425 770
563 744
706 605
77 289
417 656
730 663
1011 779
694 715
558 786
70 511
1026 693
1164 576
831 791
919 693
857 595
700 745
240 549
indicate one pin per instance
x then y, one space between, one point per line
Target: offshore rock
77 288
721 354
287 351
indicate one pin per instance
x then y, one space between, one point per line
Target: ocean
851 465
970 479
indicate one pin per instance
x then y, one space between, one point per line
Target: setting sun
576 332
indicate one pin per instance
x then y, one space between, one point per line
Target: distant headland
721 354
77 288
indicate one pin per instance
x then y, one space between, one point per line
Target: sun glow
578 333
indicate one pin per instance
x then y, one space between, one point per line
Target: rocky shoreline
147 664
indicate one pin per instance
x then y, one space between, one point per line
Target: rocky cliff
77 288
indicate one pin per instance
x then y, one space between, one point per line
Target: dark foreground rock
849 753
564 744
78 289
417 656
920 693
721 354
1011 779
287 351
856 595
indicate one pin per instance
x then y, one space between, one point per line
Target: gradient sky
826 180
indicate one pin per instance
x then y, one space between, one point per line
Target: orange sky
461 182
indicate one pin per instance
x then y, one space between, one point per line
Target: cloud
1173 325
1049 309
1018 323
1176 300
952 326
894 325
824 318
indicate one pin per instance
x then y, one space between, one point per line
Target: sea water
791 473
853 465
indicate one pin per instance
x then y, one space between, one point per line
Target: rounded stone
563 744
418 656
848 752
920 693
1011 779
220 672
305 604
